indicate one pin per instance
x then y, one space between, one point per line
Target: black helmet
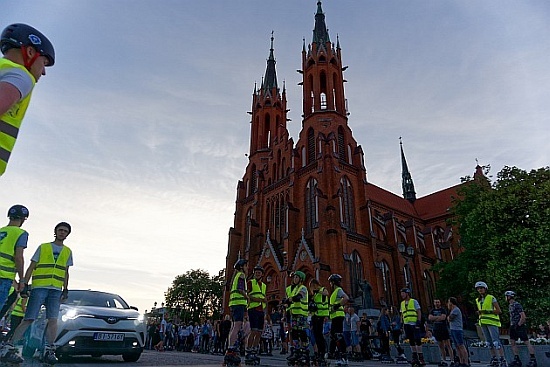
406 290
335 278
18 212
258 267
18 35
239 264
63 224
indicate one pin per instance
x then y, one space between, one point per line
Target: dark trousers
317 326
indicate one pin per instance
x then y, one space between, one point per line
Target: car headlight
72 313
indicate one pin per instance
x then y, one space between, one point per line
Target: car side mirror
134 308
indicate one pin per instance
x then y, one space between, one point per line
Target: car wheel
131 357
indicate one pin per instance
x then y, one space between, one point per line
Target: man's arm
28 273
19 263
9 95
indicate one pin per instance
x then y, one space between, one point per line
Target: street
173 358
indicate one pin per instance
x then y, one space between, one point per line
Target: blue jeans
492 336
51 298
5 285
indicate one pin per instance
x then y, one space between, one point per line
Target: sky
137 135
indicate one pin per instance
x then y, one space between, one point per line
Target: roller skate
10 356
532 363
442 364
48 356
415 362
302 357
494 362
342 360
516 362
502 362
231 358
292 358
251 358
421 360
386 359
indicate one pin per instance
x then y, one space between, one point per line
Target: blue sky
137 136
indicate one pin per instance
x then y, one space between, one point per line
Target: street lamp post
408 253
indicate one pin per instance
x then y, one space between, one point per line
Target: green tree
196 294
504 230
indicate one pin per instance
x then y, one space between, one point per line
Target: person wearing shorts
457 330
412 322
49 269
518 329
256 309
438 318
238 301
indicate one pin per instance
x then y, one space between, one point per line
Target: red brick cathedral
308 205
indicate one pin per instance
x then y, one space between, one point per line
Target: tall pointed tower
406 178
308 206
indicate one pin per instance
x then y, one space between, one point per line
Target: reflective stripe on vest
409 313
10 122
8 238
322 303
257 292
48 271
487 319
18 308
235 297
297 308
334 301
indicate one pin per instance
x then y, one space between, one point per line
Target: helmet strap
28 62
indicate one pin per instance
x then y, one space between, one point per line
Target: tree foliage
504 230
196 294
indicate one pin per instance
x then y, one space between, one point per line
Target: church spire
270 79
407 182
320 33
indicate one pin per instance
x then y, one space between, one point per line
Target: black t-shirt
438 325
364 326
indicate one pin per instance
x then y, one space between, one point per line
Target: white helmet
510 294
481 284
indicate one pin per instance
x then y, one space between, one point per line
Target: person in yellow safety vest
412 324
238 299
17 314
256 312
338 299
49 269
13 241
297 303
26 52
488 311
319 310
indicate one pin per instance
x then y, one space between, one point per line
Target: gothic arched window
310 146
347 211
356 273
311 205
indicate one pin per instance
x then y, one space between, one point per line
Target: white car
95 323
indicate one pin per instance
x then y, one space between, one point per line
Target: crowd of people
314 323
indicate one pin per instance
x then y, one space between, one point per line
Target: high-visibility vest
297 308
48 271
235 297
487 318
10 122
18 308
257 292
339 312
322 303
8 238
408 311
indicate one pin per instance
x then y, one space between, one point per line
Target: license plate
109 337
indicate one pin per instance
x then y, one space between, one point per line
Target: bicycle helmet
63 224
335 278
22 35
510 294
481 284
258 267
239 264
300 274
406 290
18 212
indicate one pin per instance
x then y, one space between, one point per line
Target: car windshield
98 299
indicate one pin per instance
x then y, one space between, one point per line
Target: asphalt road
168 359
